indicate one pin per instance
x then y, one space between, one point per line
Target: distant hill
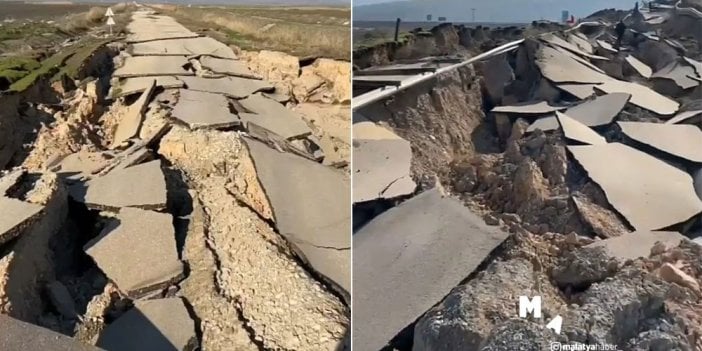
485 10
335 3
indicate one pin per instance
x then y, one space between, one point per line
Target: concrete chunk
581 91
531 108
273 116
574 130
649 193
204 110
183 47
643 69
16 215
427 238
143 66
311 205
680 74
80 165
140 186
596 112
683 117
381 162
681 140
21 336
641 96
10 179
229 67
138 251
131 121
234 87
161 324
631 246
129 86
559 67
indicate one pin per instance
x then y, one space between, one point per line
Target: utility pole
473 11
397 29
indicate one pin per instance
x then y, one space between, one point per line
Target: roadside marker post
110 21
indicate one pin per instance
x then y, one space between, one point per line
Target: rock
520 334
306 84
275 66
603 221
673 274
503 125
61 299
630 246
583 266
161 324
471 314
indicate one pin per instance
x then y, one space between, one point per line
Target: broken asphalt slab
681 140
21 336
10 179
234 87
142 66
15 216
80 165
648 192
128 86
273 116
641 96
595 112
137 251
228 67
381 163
183 47
574 130
204 110
643 69
152 325
142 186
530 108
311 206
631 246
130 123
429 238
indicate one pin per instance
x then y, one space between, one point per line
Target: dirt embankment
444 39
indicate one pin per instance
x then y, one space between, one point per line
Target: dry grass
298 31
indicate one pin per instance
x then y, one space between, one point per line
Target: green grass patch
13 69
66 62
81 54
48 67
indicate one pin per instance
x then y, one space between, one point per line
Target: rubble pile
188 209
583 154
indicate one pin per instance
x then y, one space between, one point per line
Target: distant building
428 18
442 19
565 15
